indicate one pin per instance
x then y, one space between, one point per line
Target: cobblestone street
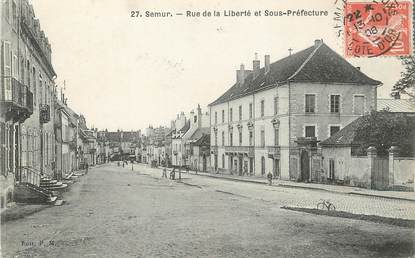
116 212
305 198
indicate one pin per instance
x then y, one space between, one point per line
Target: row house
119 144
194 158
157 145
181 125
27 95
66 134
87 148
104 148
272 118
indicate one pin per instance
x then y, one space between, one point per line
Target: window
240 138
334 103
262 138
250 110
15 67
223 138
40 89
276 137
223 160
194 119
310 131
223 116
251 136
230 114
262 108
359 105
334 130
310 103
216 117
216 138
240 113
7 68
231 139
34 86
275 105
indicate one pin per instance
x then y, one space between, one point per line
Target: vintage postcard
189 128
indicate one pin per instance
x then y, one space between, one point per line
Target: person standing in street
86 168
164 173
269 176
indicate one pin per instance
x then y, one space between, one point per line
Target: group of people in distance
172 173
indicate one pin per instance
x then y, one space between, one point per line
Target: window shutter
7 57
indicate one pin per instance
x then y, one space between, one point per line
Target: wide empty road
114 212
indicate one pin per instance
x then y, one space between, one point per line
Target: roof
204 140
199 133
179 133
125 136
316 64
347 135
396 105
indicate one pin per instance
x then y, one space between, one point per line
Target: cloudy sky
124 72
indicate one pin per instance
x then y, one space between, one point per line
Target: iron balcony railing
29 175
274 151
17 94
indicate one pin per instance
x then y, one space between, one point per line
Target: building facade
27 98
272 118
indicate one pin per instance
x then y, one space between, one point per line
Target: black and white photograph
189 128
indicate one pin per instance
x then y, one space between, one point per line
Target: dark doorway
305 166
204 163
276 168
240 166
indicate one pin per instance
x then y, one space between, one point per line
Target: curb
305 187
382 196
233 179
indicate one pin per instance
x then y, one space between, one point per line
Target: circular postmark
378 28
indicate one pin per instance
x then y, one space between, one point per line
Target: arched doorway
305 166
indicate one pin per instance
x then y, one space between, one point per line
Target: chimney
267 65
318 42
240 74
396 95
256 65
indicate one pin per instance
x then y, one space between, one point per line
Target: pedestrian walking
269 176
172 174
164 173
86 168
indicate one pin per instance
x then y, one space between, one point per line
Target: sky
126 72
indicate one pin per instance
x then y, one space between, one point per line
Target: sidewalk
408 196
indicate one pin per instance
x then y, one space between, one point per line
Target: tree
384 129
406 84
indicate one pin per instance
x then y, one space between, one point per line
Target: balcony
16 99
274 152
44 113
244 150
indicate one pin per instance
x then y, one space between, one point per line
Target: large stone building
271 119
26 97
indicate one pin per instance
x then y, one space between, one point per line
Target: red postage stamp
378 28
